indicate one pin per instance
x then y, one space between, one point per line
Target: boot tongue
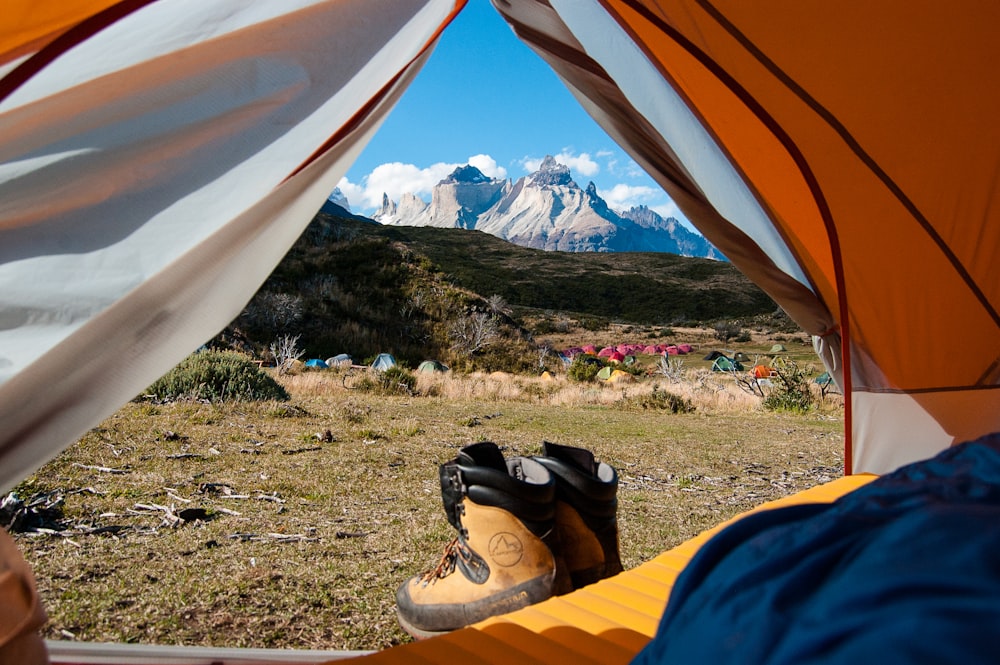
484 453
579 458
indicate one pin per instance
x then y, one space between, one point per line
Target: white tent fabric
154 172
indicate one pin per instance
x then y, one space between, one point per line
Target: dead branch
102 469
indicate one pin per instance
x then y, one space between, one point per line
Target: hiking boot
586 512
504 512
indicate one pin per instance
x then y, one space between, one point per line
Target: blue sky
486 99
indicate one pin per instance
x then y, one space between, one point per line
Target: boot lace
453 551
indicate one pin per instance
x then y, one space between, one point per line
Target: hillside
351 286
652 288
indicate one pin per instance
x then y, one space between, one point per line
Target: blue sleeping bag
905 569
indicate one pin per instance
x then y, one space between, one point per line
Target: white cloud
354 193
633 170
396 179
623 197
488 166
531 164
669 209
581 164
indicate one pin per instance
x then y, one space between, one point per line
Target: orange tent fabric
844 158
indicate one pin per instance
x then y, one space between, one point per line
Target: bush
593 324
582 371
664 401
217 376
393 381
790 388
726 331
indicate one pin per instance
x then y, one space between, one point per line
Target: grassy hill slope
645 288
349 286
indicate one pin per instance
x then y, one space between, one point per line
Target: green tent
778 348
605 373
726 364
430 366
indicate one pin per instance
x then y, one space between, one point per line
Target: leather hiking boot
504 512
586 512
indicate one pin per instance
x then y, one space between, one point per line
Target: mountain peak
338 198
465 174
552 172
544 210
596 202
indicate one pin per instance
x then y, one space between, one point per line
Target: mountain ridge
543 210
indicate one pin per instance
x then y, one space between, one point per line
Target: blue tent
317 363
383 362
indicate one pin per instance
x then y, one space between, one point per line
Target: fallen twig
177 498
350 534
280 537
102 469
301 450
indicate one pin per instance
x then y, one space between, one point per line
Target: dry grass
333 499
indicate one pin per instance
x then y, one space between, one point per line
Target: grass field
304 516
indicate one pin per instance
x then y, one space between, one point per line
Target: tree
472 332
726 331
671 367
544 351
498 306
285 350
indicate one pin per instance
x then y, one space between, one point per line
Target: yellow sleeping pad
606 622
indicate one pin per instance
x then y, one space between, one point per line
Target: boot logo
506 548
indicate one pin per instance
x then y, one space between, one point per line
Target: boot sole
417 633
453 616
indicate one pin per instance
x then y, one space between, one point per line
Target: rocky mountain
338 198
545 210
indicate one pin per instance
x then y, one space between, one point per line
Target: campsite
159 159
305 515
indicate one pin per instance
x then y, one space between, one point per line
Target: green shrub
582 371
635 369
543 327
663 400
393 381
593 323
217 376
790 388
